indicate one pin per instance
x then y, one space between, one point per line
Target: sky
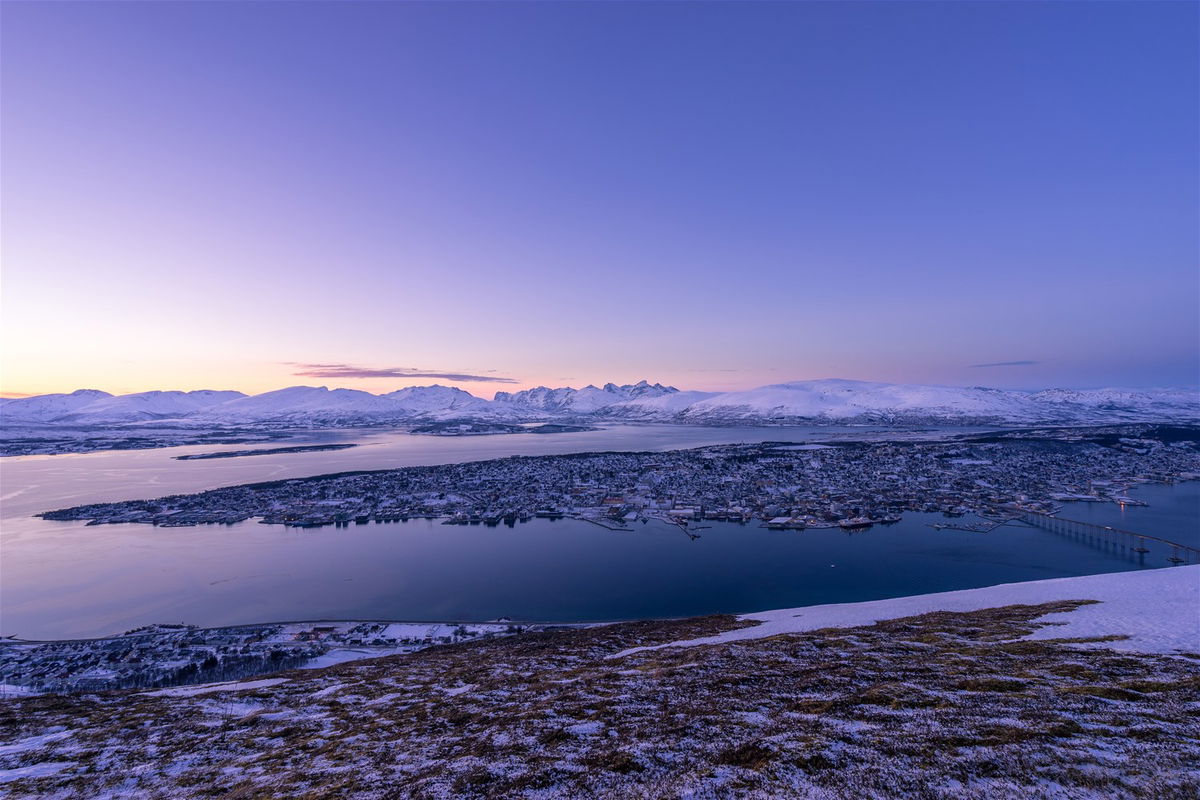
496 196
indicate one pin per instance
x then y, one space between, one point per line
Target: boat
855 523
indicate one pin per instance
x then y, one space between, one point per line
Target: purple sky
240 195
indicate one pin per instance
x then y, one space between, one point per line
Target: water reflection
102 579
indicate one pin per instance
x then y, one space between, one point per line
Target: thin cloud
1006 364
335 371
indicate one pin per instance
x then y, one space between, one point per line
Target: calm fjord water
68 579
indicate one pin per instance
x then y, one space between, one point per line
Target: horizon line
15 395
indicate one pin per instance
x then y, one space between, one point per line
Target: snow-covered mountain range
587 400
843 400
830 401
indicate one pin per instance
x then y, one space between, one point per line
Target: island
852 484
270 451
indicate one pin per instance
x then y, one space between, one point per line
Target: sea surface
67 579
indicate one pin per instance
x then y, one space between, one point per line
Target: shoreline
1118 601
1006 474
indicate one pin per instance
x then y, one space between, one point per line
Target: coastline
1125 616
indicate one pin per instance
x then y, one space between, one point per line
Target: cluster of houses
784 485
170 655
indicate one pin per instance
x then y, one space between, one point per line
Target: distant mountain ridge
842 400
581 401
91 406
830 401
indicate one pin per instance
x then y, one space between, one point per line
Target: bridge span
1108 537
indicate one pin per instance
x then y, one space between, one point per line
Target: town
171 655
787 485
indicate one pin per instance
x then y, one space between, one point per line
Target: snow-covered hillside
1154 611
319 405
860 401
304 404
1120 403
853 400
829 401
147 406
587 400
660 407
435 400
48 407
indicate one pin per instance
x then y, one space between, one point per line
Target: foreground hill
946 704
804 402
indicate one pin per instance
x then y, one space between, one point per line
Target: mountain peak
828 401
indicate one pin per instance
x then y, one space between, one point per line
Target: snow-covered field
1156 611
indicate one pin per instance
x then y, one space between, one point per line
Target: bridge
1111 538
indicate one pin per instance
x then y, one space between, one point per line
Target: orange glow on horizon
257 381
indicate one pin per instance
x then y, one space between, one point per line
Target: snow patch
344 654
1158 609
207 688
33 742
34 770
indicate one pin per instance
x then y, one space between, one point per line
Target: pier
1114 539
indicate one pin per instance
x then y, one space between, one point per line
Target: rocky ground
942 705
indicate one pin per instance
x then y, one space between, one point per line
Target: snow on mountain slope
581 401
147 405
841 400
319 405
436 400
1122 403
297 404
1122 397
662 407
46 407
819 401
